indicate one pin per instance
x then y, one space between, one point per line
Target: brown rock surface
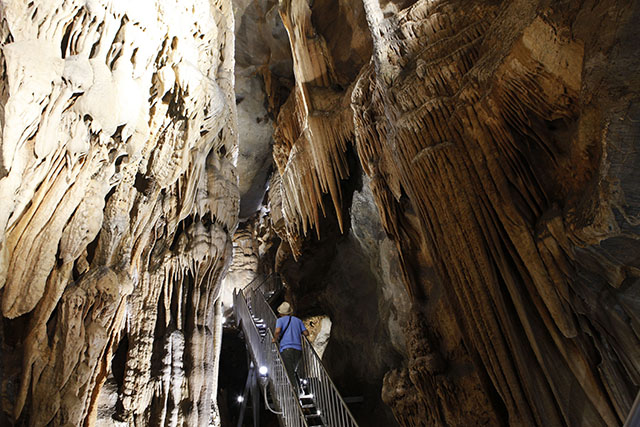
493 136
454 184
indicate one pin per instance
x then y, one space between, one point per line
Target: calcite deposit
119 202
498 139
451 184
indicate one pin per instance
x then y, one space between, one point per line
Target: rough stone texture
120 198
499 141
469 170
254 158
244 268
263 69
384 262
107 400
319 328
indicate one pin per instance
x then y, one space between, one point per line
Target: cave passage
447 191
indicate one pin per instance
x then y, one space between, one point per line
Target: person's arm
305 333
276 334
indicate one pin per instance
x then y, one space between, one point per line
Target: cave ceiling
460 177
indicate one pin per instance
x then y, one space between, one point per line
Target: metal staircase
318 403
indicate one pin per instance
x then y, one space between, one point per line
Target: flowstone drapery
119 202
454 185
499 146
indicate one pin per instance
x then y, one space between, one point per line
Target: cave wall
460 175
262 69
119 200
499 143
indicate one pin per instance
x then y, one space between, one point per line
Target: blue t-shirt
291 337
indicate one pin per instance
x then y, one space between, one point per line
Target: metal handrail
252 284
269 283
261 308
334 410
282 390
265 353
327 398
251 332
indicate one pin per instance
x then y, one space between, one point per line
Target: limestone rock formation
263 69
452 183
498 139
120 199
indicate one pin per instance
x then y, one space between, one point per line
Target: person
289 331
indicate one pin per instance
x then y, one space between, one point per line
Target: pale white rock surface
119 201
319 328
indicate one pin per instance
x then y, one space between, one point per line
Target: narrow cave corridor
445 192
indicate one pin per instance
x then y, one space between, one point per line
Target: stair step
308 416
314 420
313 416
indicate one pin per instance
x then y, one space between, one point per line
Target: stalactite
116 156
465 123
314 127
437 161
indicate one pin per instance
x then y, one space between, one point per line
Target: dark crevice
142 184
119 360
91 249
64 45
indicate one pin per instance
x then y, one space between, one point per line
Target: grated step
314 420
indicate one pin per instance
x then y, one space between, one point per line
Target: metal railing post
332 408
264 353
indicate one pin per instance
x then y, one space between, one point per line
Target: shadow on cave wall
334 277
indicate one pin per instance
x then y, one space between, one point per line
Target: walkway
319 403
